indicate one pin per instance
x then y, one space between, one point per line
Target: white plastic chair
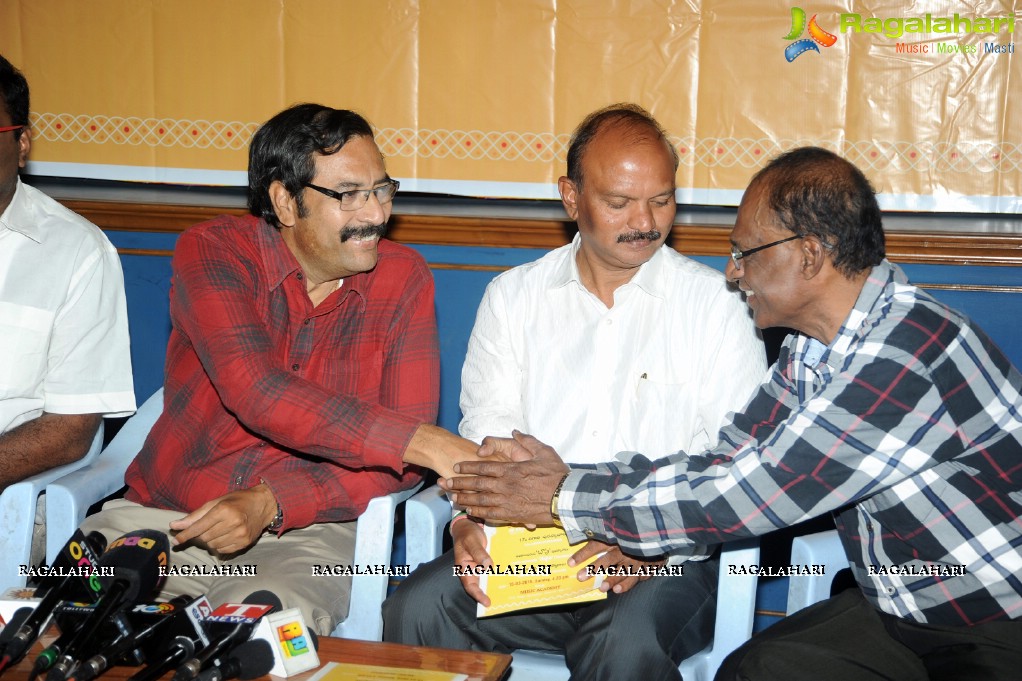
17 515
69 498
428 512
822 548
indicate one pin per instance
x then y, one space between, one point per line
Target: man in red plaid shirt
301 379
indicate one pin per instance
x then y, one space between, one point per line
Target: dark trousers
642 634
845 637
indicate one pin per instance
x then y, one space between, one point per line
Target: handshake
510 480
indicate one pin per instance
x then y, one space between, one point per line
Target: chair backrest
18 512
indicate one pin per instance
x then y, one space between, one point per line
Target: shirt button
609 322
306 322
890 590
589 533
295 367
237 481
596 433
299 276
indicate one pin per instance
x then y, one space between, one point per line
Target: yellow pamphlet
530 570
345 671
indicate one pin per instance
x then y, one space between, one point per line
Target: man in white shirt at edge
614 342
64 356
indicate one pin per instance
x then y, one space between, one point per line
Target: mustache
363 232
651 235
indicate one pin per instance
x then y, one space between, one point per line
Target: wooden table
478 666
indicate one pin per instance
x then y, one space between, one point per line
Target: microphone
135 560
250 660
182 646
191 668
124 645
244 624
17 619
293 644
261 597
79 551
79 555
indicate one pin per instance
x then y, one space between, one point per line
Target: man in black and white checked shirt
885 408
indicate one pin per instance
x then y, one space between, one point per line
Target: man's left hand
612 558
230 523
517 492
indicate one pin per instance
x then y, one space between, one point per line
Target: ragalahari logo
817 36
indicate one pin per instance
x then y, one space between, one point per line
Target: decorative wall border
533 147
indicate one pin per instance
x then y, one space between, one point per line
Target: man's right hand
438 449
470 552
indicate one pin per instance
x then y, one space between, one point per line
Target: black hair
14 90
284 150
815 191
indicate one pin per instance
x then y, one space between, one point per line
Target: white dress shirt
63 318
656 373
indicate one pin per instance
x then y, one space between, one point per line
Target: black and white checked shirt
908 427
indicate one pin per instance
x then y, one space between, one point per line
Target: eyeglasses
737 254
356 198
8 128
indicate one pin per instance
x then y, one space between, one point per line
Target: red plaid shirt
319 403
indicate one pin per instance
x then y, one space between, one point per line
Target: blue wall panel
461 275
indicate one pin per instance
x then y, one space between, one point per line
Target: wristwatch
277 522
553 501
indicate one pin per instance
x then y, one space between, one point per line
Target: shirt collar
17 217
874 293
279 261
649 278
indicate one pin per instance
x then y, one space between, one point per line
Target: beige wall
464 91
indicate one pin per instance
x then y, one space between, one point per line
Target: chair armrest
736 595
69 498
736 609
822 548
18 510
374 539
426 516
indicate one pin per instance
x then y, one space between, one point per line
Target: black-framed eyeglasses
8 128
737 254
353 199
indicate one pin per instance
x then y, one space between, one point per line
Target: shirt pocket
360 376
665 417
24 345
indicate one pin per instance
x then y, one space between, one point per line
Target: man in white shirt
64 359
614 342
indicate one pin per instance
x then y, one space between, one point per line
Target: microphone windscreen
255 659
12 626
136 557
265 597
313 639
97 541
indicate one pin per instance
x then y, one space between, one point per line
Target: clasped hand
518 490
